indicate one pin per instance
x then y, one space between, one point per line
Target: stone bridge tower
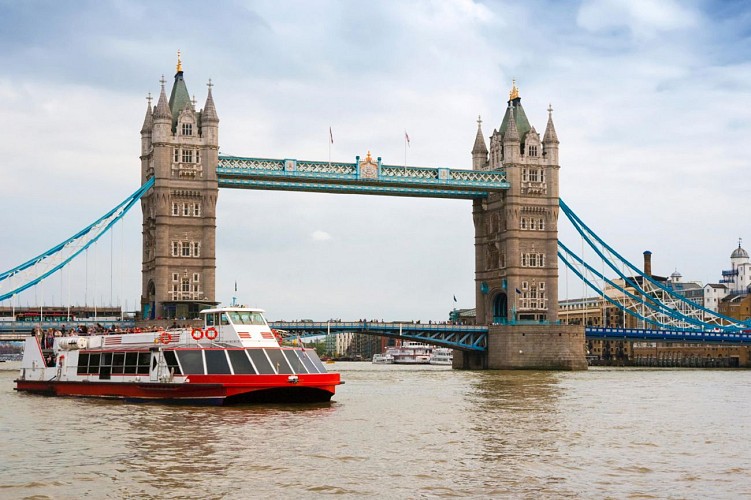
179 149
516 248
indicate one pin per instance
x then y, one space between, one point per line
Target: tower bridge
513 187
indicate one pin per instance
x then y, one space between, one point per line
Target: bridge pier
529 347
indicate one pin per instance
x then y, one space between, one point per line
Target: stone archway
500 308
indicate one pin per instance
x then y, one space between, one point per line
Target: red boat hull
201 389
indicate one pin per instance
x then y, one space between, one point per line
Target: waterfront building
338 343
737 301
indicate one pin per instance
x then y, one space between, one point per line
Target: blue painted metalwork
461 337
94 231
337 177
694 336
710 319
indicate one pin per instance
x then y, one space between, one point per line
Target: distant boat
442 356
383 359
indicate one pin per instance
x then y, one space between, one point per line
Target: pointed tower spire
550 136
480 146
209 109
148 121
479 151
162 110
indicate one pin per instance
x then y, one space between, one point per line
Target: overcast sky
651 106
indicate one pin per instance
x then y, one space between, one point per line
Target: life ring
211 333
197 334
165 337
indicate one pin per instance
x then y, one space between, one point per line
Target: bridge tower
516 248
179 149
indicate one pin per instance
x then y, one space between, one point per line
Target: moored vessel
233 358
442 356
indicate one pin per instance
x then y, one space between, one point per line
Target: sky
651 106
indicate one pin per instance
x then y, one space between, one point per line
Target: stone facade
516 233
516 252
528 347
179 149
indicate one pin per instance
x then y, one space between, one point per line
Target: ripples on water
399 432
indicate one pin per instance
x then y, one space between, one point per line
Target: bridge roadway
366 177
461 337
474 338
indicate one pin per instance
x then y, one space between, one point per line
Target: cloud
320 236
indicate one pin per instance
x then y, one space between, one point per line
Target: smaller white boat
442 356
383 359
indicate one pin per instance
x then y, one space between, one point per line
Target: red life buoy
211 333
165 337
197 334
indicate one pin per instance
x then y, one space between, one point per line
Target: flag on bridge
406 138
454 298
331 136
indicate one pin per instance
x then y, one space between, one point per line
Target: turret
162 117
210 120
479 151
550 140
148 124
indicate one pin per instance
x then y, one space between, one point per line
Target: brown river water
398 432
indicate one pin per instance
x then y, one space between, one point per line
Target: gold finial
369 159
179 62
514 94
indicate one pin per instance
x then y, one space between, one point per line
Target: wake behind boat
234 358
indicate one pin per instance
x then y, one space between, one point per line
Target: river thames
398 432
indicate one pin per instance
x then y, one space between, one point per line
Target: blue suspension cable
124 207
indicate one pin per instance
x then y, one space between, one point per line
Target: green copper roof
179 97
520 117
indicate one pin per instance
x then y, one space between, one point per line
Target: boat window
303 354
191 361
106 359
240 362
118 361
278 361
171 360
224 319
216 362
261 362
297 365
313 356
94 363
144 359
83 363
131 362
209 319
247 318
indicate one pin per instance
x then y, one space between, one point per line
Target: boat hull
201 389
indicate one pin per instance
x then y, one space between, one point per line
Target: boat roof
232 308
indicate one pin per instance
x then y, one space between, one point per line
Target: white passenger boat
383 359
442 356
411 353
234 357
